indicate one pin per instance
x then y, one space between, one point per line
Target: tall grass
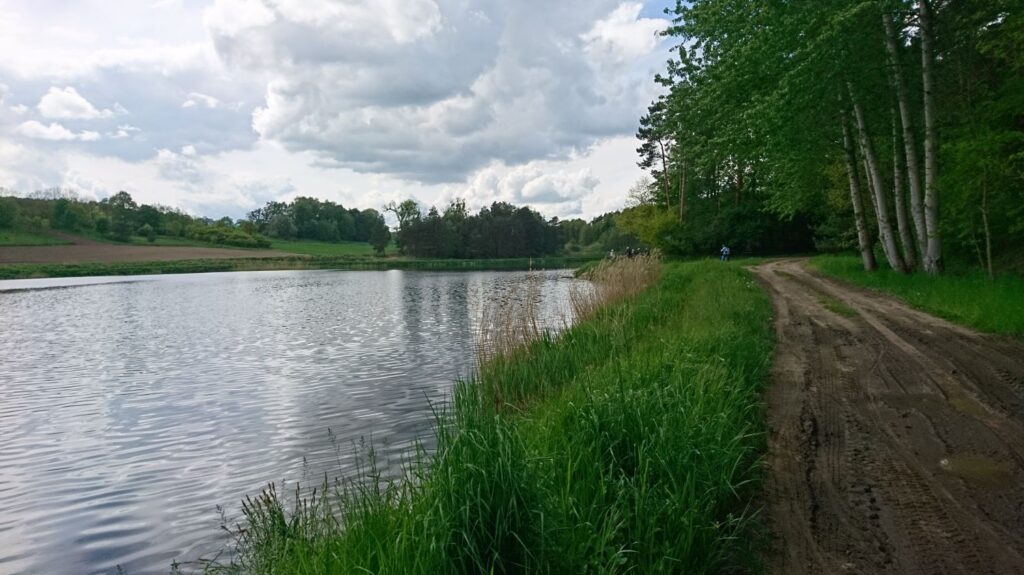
966 297
631 443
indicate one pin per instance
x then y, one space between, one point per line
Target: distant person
725 252
611 254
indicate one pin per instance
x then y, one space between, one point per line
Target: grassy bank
631 443
24 271
23 238
965 297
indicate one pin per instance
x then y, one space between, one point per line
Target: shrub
226 236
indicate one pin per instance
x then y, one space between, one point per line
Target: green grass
630 444
315 248
21 238
968 298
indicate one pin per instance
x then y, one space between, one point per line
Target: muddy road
897 439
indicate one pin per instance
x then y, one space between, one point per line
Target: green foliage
498 231
102 225
967 297
629 444
8 212
222 235
147 232
380 237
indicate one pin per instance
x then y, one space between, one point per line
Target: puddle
979 470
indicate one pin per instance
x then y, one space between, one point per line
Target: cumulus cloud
436 91
622 36
185 167
54 132
68 104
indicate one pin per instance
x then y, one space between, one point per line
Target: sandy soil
897 439
84 250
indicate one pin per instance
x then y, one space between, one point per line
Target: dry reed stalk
612 281
512 323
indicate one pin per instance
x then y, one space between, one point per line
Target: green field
968 297
20 238
632 443
327 249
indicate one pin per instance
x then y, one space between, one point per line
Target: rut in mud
897 439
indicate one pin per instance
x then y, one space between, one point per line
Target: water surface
130 408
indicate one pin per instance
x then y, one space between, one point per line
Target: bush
102 225
147 232
8 212
226 236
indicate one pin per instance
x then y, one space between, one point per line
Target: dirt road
897 439
84 250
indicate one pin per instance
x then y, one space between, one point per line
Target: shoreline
349 263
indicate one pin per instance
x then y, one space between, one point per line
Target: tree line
119 218
888 126
497 231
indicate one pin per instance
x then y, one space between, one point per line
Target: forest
892 128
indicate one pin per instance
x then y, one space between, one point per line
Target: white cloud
195 99
68 104
123 131
622 36
54 132
359 102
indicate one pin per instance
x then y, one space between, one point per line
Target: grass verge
967 298
629 444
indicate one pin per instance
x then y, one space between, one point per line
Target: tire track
897 438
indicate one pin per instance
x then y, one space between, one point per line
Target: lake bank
632 442
294 262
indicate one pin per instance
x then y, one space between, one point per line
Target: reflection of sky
131 409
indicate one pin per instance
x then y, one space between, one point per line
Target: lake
133 407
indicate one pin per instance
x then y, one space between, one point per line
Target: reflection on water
131 409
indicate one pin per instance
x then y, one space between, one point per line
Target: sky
217 107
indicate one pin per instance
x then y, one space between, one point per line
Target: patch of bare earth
897 439
84 250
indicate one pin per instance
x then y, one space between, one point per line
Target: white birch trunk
885 233
909 136
867 254
932 257
906 240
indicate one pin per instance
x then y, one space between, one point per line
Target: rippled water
129 410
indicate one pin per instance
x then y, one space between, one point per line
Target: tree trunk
909 136
867 254
682 191
984 221
664 176
901 201
881 206
932 257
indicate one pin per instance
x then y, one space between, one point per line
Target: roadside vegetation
965 296
629 443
